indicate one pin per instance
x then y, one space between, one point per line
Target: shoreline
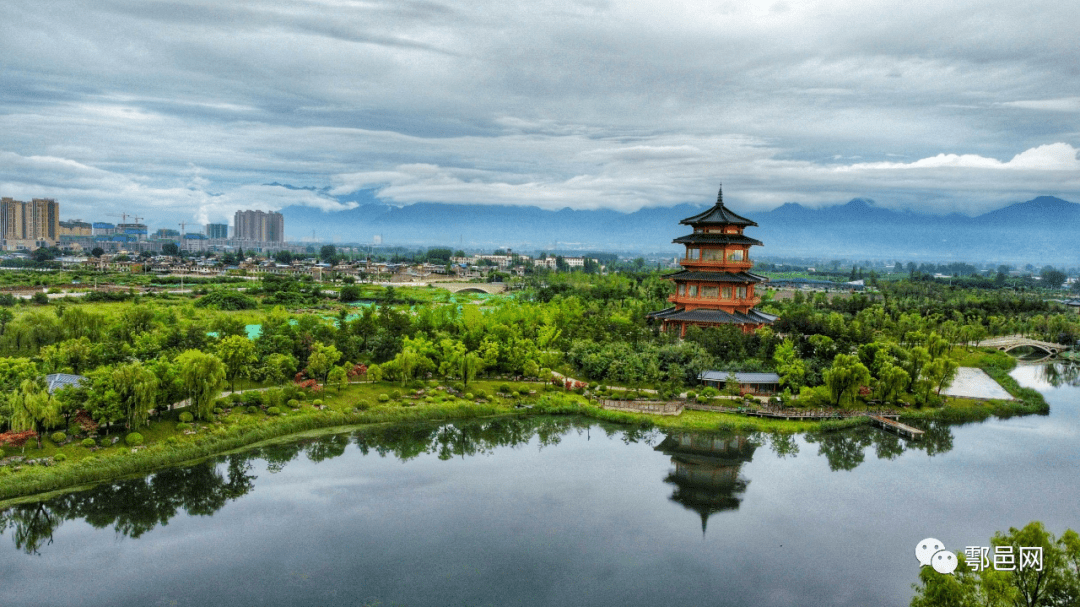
37 482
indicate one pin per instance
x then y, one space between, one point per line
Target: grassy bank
171 444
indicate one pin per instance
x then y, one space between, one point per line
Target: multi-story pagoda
715 286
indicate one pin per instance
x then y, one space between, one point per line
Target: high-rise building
259 226
28 225
715 286
217 230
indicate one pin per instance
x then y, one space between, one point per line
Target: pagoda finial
720 196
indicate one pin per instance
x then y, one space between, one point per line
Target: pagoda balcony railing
714 302
737 266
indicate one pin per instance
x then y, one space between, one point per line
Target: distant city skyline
188 111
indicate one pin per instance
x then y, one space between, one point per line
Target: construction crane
123 217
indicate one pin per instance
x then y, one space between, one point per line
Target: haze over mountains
1040 231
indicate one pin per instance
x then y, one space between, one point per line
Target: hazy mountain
1043 230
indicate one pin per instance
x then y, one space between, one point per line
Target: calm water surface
551 511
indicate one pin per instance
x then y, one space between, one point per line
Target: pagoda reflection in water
707 475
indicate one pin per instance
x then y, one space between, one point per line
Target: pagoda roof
698 238
718 214
739 277
703 315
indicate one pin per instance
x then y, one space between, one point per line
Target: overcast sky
185 110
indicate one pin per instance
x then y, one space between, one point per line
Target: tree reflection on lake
1059 374
706 467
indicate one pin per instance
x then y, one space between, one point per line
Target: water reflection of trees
846 449
132 506
1060 374
706 471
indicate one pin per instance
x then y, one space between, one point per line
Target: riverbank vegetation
142 356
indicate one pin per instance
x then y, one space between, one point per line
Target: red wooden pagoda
715 286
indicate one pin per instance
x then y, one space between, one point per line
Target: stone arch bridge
472 287
1007 343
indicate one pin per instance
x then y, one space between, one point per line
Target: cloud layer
182 111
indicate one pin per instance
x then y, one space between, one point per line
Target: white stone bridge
472 287
1010 342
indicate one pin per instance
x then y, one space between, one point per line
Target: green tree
327 253
203 378
1052 278
322 359
339 377
238 354
940 373
1055 583
33 408
789 366
136 388
891 381
844 378
277 368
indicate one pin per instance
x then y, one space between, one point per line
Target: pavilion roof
718 214
720 317
699 238
736 277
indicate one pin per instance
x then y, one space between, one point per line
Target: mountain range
1039 231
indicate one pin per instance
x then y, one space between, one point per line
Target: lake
551 511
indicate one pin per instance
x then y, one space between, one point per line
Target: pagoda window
736 255
712 255
710 292
693 290
682 290
693 253
740 292
727 292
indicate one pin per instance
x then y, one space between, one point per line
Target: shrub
460 387
187 417
317 402
252 409
236 398
59 457
362 405
218 410
523 391
396 394
691 395
384 398
480 393
506 389
89 442
293 403
181 426
469 396
134 439
415 384
273 411
58 437
74 429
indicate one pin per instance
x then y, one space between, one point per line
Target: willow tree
136 388
238 354
203 377
33 408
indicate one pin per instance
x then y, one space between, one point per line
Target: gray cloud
186 109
